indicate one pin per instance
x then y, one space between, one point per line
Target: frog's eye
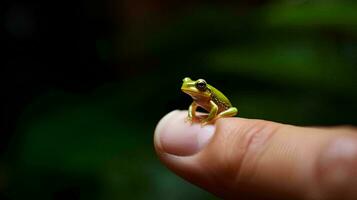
201 85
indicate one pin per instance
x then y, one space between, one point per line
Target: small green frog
208 98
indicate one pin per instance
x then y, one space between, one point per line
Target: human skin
239 158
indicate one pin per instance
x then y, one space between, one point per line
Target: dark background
83 84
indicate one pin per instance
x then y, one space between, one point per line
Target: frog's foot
188 119
228 113
205 122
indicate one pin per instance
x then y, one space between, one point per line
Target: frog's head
196 89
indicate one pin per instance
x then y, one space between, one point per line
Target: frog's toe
188 120
204 122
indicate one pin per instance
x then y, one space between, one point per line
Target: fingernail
177 137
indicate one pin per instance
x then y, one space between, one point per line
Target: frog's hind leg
229 112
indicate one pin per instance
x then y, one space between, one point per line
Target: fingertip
173 135
161 126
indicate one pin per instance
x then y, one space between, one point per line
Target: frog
209 98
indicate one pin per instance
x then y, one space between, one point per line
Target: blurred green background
85 82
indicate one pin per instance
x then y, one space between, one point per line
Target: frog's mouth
194 93
189 91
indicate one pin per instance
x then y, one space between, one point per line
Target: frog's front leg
192 111
212 114
230 112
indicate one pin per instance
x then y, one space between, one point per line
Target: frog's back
219 98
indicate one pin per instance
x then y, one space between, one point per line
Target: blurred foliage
287 61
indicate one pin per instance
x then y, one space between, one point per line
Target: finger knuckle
337 169
243 144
